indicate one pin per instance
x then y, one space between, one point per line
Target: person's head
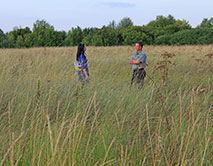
139 46
81 50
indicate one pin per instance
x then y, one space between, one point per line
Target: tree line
161 31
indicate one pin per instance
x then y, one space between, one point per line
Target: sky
65 14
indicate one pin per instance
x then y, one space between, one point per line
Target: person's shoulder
143 53
82 56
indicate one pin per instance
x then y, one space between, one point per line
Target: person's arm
137 62
142 60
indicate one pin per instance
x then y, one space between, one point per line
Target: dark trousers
138 76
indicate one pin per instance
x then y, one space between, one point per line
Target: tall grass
46 118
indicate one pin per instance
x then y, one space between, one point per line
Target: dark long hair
80 50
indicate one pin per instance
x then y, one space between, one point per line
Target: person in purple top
82 61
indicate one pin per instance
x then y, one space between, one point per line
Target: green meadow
48 118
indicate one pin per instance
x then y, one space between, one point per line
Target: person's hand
134 61
88 78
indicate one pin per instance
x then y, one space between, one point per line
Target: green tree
97 40
28 40
2 38
74 37
164 26
134 34
88 34
112 24
20 42
106 36
59 37
43 34
207 23
162 21
188 37
18 35
125 23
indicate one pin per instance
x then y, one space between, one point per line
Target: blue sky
65 14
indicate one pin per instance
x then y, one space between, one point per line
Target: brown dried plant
163 66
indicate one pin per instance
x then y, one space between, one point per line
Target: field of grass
46 118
